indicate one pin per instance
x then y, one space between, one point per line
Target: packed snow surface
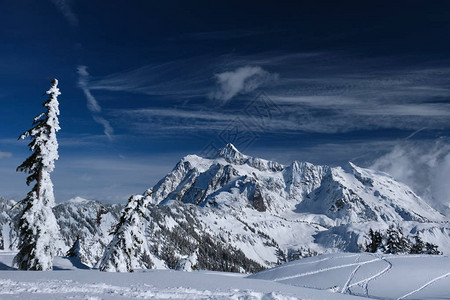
331 276
370 275
69 281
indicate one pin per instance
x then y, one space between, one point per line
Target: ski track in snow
326 269
350 278
67 289
365 282
424 286
346 289
304 263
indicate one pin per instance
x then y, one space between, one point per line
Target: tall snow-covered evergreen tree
37 223
128 249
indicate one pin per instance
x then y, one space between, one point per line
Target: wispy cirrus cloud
179 78
241 81
83 80
292 119
92 103
303 74
5 154
202 77
66 8
317 92
359 107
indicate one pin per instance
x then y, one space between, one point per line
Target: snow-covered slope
71 280
326 277
369 275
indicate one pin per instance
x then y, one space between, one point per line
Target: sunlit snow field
331 276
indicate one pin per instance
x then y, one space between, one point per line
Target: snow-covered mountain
272 213
88 221
339 195
233 212
91 222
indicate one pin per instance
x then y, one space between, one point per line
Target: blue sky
145 83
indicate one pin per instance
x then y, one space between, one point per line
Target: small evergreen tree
393 241
75 249
418 246
376 241
36 222
396 241
431 249
128 249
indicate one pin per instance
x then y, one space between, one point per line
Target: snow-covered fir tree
393 241
396 242
418 246
431 249
375 242
76 250
128 249
36 222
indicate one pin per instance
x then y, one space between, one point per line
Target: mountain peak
232 154
231 148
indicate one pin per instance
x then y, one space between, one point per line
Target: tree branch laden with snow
37 223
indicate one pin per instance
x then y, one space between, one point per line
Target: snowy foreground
332 276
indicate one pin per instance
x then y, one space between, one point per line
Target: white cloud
5 154
165 79
107 129
241 81
65 7
92 103
178 114
83 78
318 92
424 167
292 118
355 106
